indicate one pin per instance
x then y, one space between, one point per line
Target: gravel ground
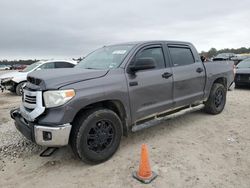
194 150
12 143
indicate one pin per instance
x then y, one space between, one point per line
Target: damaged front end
7 83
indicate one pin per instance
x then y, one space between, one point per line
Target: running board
158 120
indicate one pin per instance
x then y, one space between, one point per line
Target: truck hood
17 76
243 71
56 78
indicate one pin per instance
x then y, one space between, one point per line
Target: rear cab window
181 55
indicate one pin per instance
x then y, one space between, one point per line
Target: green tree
212 52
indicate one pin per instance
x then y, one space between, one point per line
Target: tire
217 99
19 88
96 135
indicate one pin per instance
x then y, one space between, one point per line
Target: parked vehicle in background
8 67
14 81
224 57
19 67
115 90
242 76
239 58
5 67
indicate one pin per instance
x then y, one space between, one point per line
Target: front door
150 91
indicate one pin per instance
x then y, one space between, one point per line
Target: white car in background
5 67
14 81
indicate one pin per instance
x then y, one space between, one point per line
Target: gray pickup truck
115 90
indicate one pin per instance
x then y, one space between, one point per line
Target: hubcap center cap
100 136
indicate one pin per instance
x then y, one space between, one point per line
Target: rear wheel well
222 81
114 105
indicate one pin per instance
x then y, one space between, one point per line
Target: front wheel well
222 81
114 105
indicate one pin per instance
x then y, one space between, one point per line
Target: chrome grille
29 99
32 105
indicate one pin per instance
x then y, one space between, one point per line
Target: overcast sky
73 28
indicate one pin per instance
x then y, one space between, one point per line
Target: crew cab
15 80
115 90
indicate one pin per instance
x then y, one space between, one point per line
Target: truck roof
152 41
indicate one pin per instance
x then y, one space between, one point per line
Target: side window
181 56
64 65
155 53
48 66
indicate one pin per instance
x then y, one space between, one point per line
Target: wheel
217 99
96 135
19 88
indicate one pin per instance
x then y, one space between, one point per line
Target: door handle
133 83
166 75
199 70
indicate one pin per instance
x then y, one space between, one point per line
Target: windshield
244 64
109 57
31 67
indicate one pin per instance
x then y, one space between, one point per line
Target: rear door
188 75
150 91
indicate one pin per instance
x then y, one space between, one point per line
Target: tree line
20 62
213 51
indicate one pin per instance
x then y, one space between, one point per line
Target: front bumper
242 82
242 79
1 87
10 85
52 136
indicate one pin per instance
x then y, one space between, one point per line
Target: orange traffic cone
144 174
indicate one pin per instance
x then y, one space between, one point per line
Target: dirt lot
195 150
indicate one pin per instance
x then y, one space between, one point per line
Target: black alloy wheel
100 136
96 135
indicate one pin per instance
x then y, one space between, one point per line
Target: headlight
57 97
6 79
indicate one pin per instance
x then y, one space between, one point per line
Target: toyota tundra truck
116 90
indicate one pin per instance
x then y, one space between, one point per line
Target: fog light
47 136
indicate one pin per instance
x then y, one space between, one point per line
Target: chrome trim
60 135
157 120
26 95
36 109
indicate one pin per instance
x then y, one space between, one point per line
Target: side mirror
38 69
203 58
143 64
